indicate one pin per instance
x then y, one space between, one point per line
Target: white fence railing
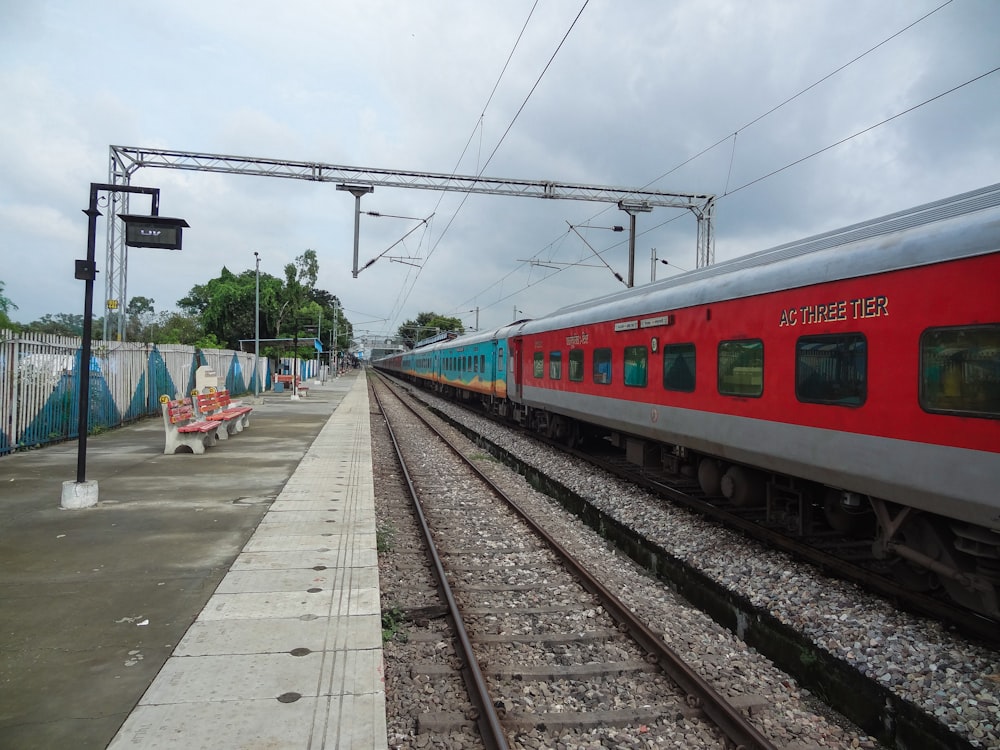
40 383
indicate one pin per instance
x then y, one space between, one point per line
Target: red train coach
850 381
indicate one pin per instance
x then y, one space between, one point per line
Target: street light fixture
140 231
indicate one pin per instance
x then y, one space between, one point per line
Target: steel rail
487 720
700 693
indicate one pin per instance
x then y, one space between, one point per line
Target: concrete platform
231 599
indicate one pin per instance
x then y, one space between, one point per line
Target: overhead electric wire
758 119
792 98
865 130
401 298
479 173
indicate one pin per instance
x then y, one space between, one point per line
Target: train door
491 369
514 367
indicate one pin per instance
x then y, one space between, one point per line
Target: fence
40 383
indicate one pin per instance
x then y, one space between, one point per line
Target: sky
800 117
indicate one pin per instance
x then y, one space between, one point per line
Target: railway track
854 675
546 649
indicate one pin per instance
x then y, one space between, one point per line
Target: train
846 385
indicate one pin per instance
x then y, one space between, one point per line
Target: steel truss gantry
126 160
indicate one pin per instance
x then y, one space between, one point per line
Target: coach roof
959 227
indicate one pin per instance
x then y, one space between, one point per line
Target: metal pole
88 274
357 191
631 250
256 327
319 338
88 332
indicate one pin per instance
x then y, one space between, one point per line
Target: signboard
153 231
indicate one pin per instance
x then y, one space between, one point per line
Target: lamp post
140 231
333 353
256 328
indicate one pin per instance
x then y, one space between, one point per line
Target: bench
183 428
300 387
217 406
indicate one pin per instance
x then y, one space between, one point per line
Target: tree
225 307
139 316
5 303
300 279
426 325
6 306
177 328
60 324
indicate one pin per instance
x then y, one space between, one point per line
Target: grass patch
392 624
384 538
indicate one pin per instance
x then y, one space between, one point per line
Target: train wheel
710 476
743 486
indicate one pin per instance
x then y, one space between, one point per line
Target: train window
678 367
960 370
602 366
635 366
555 365
475 363
482 363
539 370
576 365
832 369
741 367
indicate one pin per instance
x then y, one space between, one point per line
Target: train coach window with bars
576 365
602 366
832 369
741 367
678 367
636 358
555 365
960 370
539 365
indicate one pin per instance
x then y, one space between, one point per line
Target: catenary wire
465 196
744 127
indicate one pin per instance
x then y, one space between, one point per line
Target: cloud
633 93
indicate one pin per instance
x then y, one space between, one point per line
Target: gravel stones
955 681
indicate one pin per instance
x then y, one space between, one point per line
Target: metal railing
40 382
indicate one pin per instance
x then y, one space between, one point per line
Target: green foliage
385 535
139 319
221 312
5 303
225 308
392 624
65 324
177 328
427 324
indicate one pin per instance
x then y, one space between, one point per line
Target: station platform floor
223 600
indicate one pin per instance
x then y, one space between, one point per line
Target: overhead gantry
126 160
